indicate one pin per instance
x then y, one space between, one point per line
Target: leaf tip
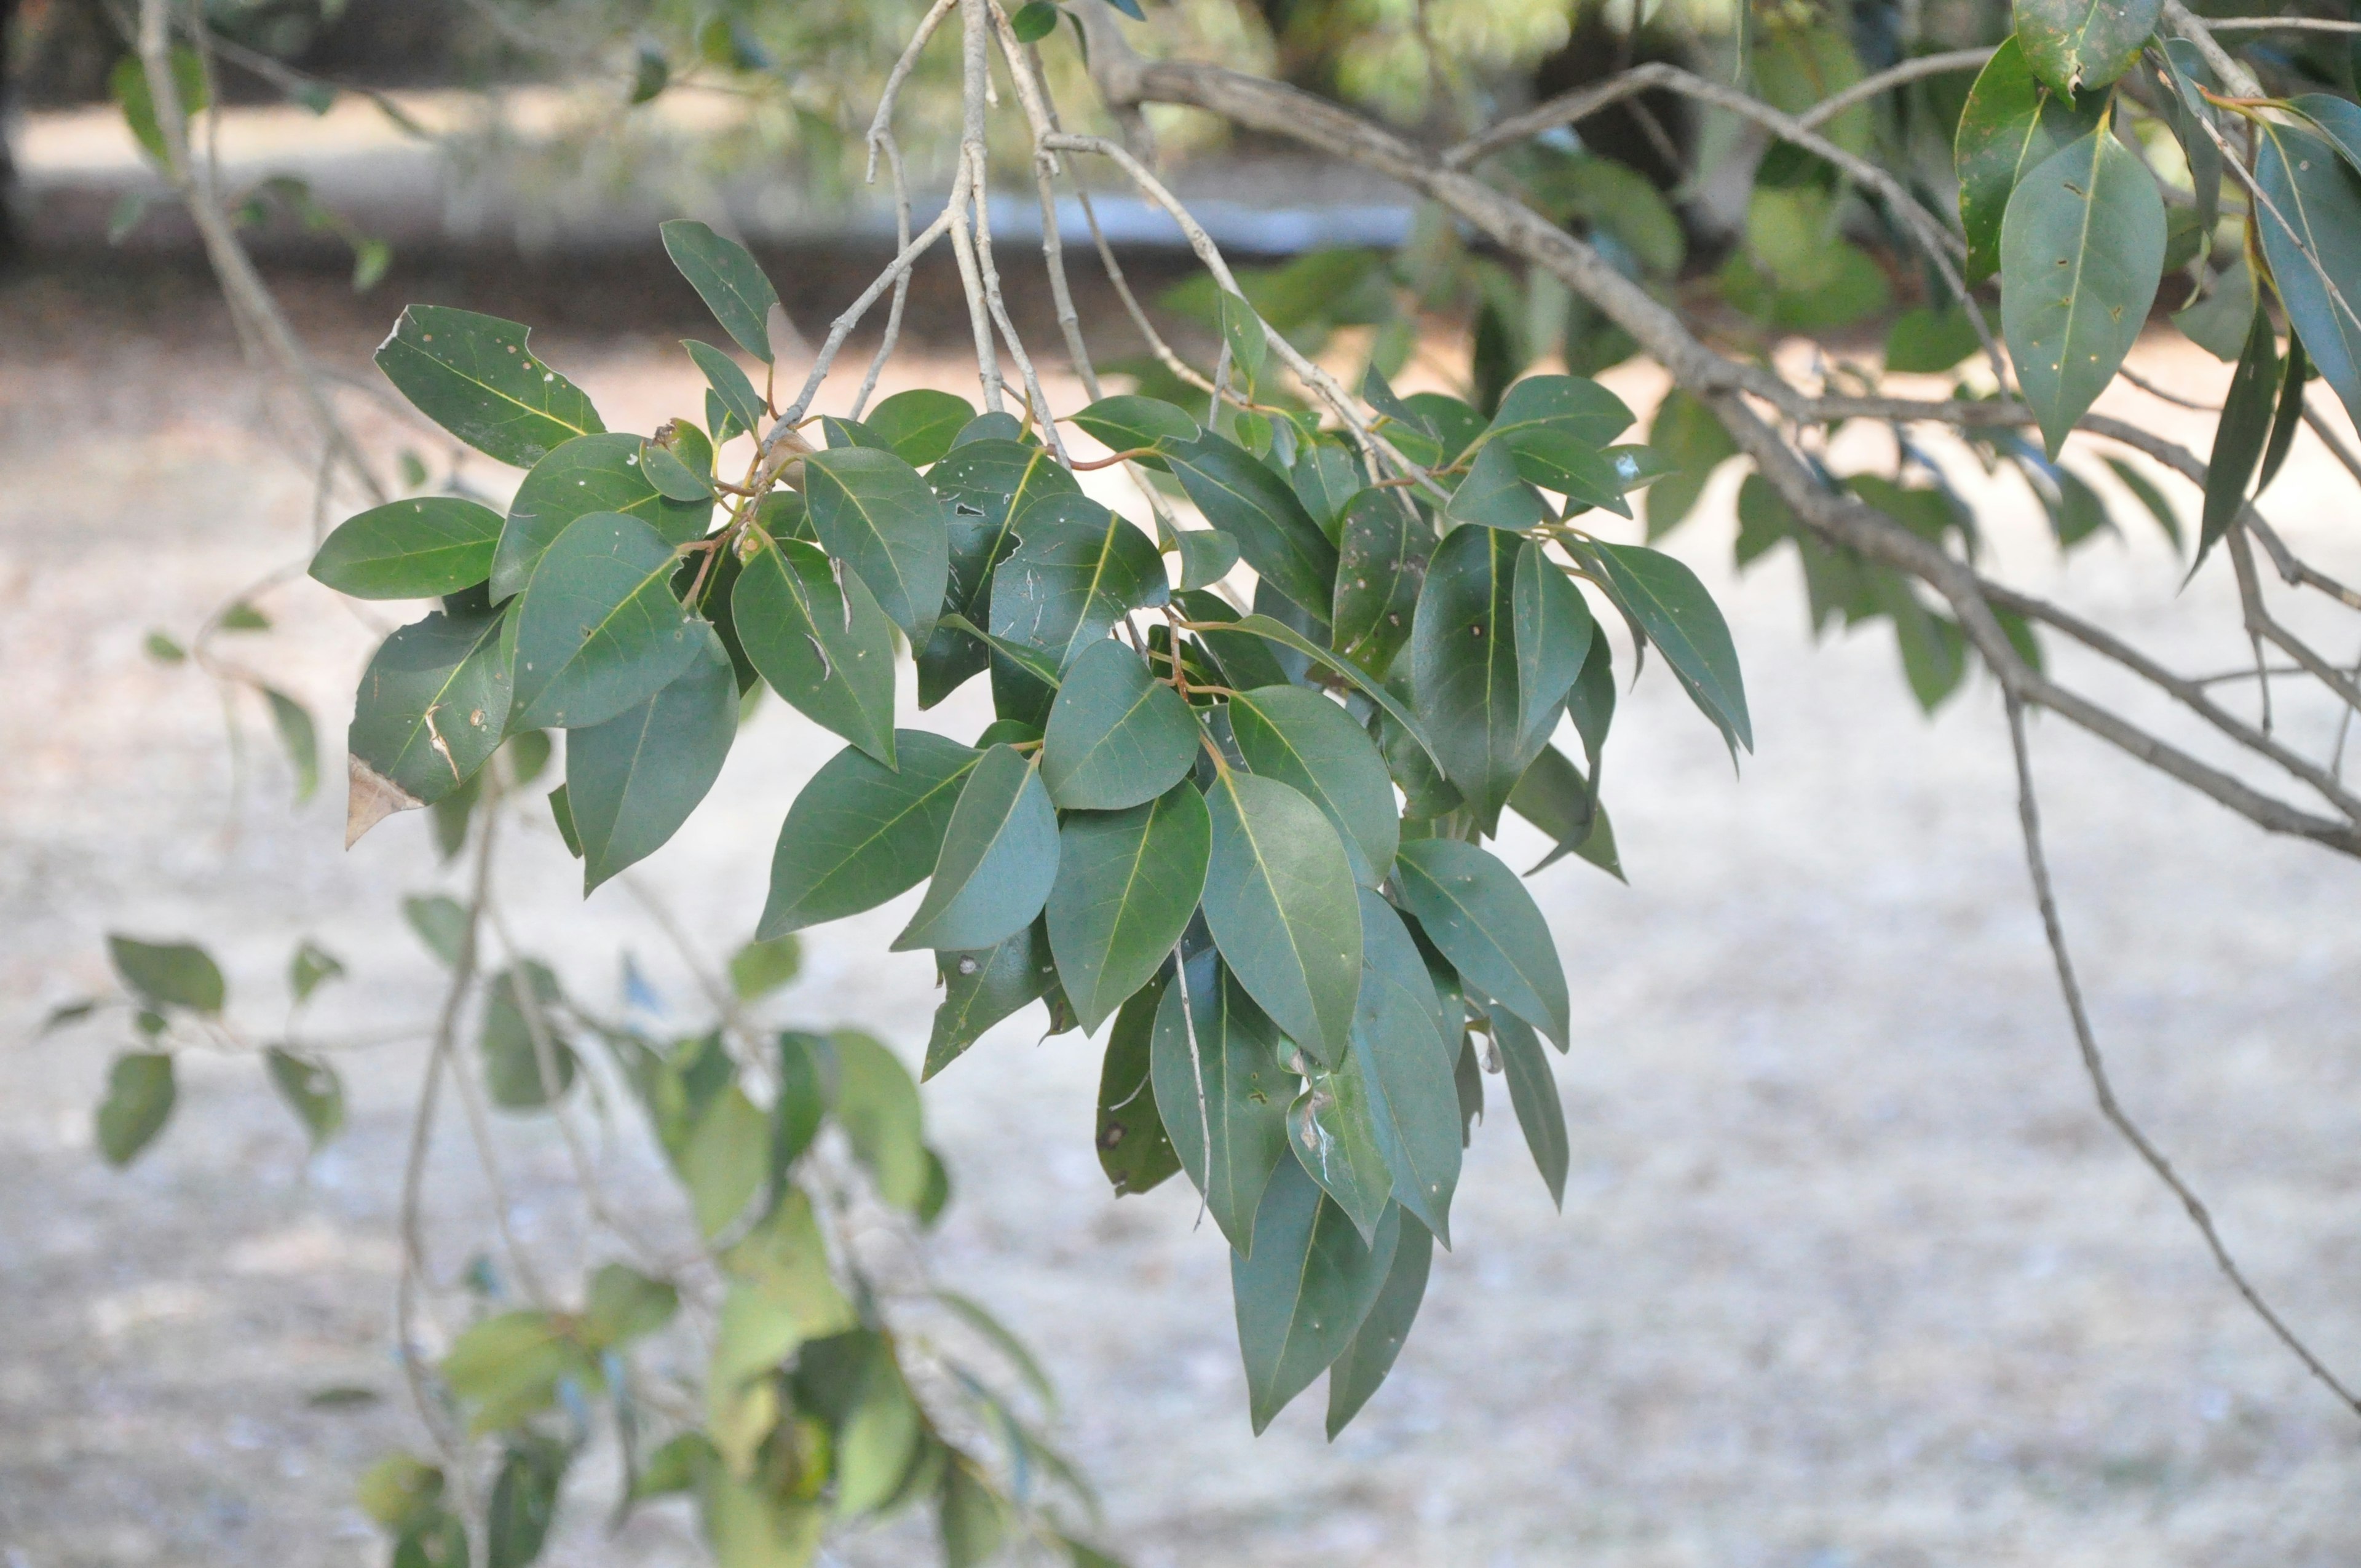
372 797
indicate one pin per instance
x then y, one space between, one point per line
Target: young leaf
983 986
1532 1091
169 974
410 550
2081 251
2239 435
1413 1105
1077 569
2011 122
1134 1148
1307 741
1223 1095
311 1089
861 832
1370 1354
139 1094
293 722
633 780
311 967
1280 903
431 709
728 280
476 377
758 969
2078 44
1664 597
873 512
919 426
1475 909
1127 884
597 630
819 639
728 383
2313 244
1239 494
588 474
999 859
1304 1290
1464 666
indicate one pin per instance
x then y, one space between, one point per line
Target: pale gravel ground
1850 1272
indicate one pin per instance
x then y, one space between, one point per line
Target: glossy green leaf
2240 434
476 377
983 986
432 705
1241 496
633 780
408 550
2312 240
1127 883
999 859
1223 1095
1664 597
1382 546
1242 334
1132 423
728 383
1325 477
1492 496
819 639
1307 741
873 512
1370 1354
1464 666
1308 1285
1555 797
860 832
589 474
2074 45
311 1089
514 1069
920 424
673 478
1207 556
1586 475
1554 636
727 279
985 483
1270 631
140 1090
1116 735
2081 251
1570 405
1473 909
1532 1092
1332 1128
1243 660
1279 900
1413 1105
2012 123
1134 1148
1077 569
168 974
597 630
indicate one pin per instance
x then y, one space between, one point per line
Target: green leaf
2081 251
169 974
399 1490
1077 569
727 280
311 967
1117 736
1207 556
972 1518
410 550
673 478
1382 545
432 705
127 83
1135 1148
973 1312
1479 914
877 1439
633 780
1583 475
1127 883
1223 1095
1569 405
1687 434
1306 1288
807 1089
2013 121
1554 632
1369 1355
512 1062
1464 666
861 833
523 1502
985 483
2078 44
624 1305
920 424
725 1161
2314 244
1413 1105
758 969
1034 21
476 377
1927 342
311 1089
728 383
139 1094
1327 477
561 813
1131 424
1280 902
1286 636
296 733
983 986
2289 416
1492 496
2217 322
1238 494
588 474
819 639
597 630
1555 797
1243 660
999 859
1668 603
1334 1130
507 1367
440 922
2239 435
1532 1090
1307 741
873 512
163 650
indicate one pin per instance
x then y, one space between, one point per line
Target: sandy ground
1850 1272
